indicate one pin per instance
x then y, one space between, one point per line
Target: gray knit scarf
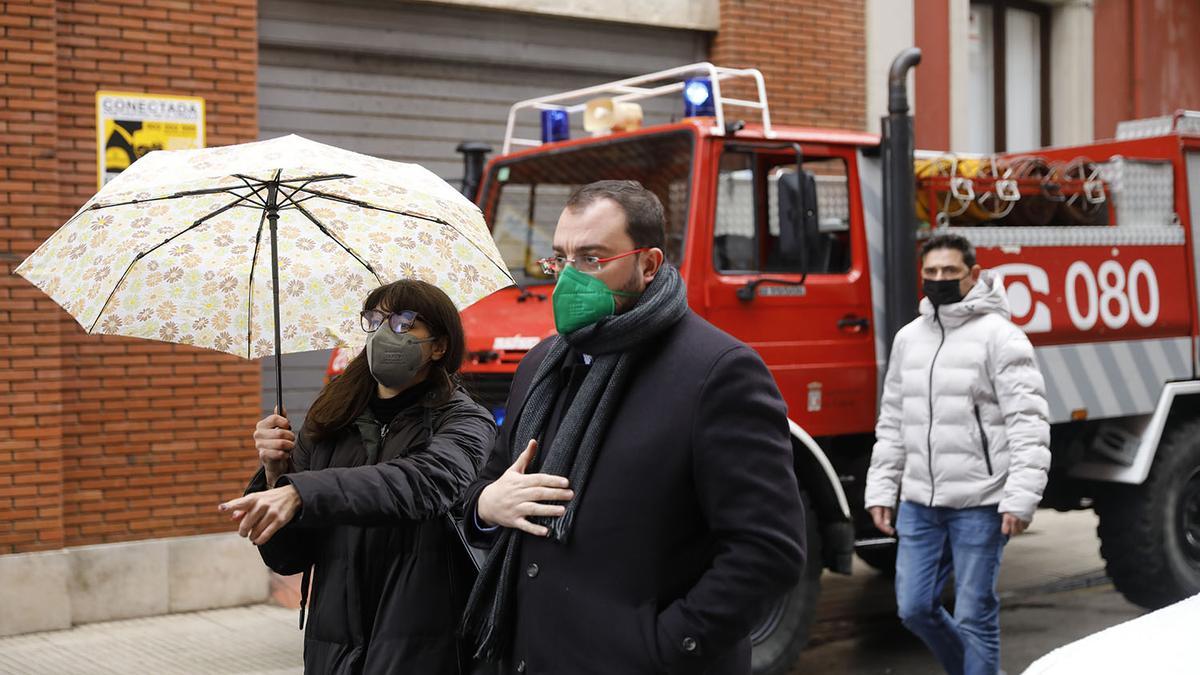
615 343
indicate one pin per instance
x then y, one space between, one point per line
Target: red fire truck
802 243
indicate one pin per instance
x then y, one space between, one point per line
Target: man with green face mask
640 503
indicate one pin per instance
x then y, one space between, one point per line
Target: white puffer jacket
973 373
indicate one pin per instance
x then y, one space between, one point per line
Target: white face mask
394 358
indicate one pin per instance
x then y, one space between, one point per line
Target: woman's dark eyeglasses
399 322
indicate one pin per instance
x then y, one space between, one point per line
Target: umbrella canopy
177 247
206 247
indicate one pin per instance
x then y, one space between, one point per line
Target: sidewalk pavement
1053 591
1059 553
258 640
1059 549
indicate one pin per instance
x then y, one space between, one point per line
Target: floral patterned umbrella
260 248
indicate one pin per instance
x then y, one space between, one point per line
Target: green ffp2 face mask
581 300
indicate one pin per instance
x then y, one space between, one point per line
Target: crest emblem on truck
1021 281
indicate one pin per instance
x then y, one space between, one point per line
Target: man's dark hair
644 219
953 241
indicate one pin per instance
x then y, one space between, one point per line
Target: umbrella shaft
273 219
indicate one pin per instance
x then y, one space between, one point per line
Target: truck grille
490 389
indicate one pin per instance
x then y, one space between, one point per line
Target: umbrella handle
279 385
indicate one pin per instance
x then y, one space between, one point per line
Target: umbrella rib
203 191
223 209
176 195
304 199
114 292
337 198
305 179
72 219
145 253
250 286
97 207
431 219
257 186
209 191
262 203
324 230
315 178
291 196
256 189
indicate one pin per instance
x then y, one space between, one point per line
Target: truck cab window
749 234
523 198
523 224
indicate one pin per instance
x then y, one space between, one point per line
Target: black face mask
943 291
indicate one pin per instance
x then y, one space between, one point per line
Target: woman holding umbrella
221 248
360 497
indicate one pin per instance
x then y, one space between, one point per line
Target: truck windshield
523 198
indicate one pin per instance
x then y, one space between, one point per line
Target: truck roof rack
651 85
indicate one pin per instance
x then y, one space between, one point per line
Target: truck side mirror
798 232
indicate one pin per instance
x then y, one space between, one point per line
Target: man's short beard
634 286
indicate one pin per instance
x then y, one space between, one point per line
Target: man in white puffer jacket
962 445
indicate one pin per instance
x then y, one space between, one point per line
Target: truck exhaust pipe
474 157
899 213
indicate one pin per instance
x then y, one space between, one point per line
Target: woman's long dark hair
347 396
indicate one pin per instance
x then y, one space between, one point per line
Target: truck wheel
1150 533
882 558
784 629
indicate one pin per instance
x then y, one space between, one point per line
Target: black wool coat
386 597
690 521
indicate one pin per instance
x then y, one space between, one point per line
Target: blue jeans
933 542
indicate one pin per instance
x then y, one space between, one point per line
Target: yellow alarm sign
129 125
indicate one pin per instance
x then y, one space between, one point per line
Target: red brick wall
1145 60
109 439
31 466
811 55
931 27
1112 74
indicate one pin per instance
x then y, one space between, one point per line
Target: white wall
53 590
1072 107
960 92
1071 76
889 30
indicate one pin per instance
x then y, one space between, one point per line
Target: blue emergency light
556 125
698 98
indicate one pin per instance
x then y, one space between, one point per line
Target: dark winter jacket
691 520
385 598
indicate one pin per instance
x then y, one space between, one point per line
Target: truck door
795 286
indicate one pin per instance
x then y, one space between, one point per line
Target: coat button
521 667
688 644
532 570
